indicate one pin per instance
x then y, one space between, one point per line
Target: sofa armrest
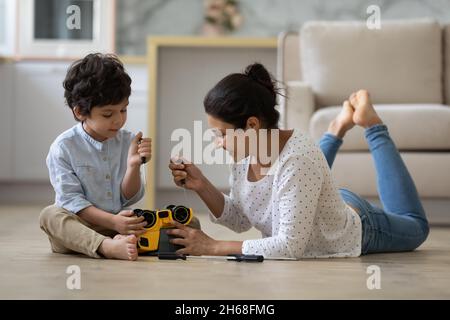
299 105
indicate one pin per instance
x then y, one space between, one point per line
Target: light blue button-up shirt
85 172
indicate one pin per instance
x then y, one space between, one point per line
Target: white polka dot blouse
297 208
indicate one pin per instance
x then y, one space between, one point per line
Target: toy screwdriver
143 159
231 257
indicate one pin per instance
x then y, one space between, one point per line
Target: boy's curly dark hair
96 80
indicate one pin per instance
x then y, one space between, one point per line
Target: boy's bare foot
121 247
365 115
343 122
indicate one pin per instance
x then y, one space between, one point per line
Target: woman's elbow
292 250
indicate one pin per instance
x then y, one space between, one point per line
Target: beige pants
68 233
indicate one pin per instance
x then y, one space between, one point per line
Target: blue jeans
401 225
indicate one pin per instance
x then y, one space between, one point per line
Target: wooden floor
28 270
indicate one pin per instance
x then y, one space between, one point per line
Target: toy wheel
181 214
150 218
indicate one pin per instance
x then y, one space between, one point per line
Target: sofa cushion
288 66
412 127
399 63
429 170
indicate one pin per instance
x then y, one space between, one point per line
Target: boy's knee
45 216
48 215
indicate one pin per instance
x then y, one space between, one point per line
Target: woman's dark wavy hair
239 96
96 80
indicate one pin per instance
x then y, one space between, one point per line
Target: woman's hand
126 223
187 175
195 241
139 148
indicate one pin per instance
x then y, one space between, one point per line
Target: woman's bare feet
364 115
343 122
121 247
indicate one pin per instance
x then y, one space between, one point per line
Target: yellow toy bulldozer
156 240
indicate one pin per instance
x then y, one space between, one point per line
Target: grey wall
139 18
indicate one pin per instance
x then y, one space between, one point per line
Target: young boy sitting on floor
94 166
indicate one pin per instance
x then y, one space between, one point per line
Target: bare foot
121 247
343 122
365 115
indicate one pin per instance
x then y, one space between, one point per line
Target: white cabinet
39 115
34 113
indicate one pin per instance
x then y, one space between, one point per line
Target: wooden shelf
233 42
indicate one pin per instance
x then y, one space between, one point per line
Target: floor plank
28 270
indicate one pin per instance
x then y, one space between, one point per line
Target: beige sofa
406 67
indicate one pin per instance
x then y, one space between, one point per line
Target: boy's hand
139 148
126 223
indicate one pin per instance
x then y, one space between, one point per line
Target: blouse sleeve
232 215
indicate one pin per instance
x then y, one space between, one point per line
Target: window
56 28
63 19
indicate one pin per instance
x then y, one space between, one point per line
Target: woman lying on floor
297 207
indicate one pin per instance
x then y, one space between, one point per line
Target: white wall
137 19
